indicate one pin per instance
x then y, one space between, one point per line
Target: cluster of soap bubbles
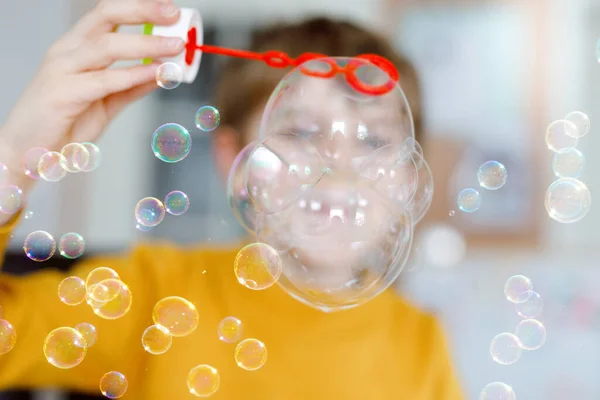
53 166
530 334
40 245
567 199
330 190
491 175
150 211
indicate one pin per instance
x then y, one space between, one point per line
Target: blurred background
494 73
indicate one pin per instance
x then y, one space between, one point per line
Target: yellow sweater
385 349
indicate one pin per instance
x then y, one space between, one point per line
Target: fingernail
174 43
169 10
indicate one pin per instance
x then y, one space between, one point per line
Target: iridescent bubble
169 75
529 304
207 118
149 212
98 293
177 202
451 213
4 175
203 381
171 143
497 391
75 156
39 246
515 286
568 163
65 348
567 200
156 339
468 200
581 121
561 134
117 307
113 385
230 330
32 161
250 354
51 166
72 291
10 199
71 245
94 159
491 175
28 214
531 334
100 274
177 314
88 332
237 191
8 336
257 266
505 349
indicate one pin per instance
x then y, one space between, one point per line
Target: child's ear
225 147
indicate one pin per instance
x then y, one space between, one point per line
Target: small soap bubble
4 175
491 175
171 143
257 266
531 334
88 332
567 200
149 212
230 330
529 304
71 245
169 76
469 200
203 381
94 159
100 274
497 391
177 202
32 161
568 163
561 134
72 291
177 314
581 121
515 286
39 246
75 156
28 214
98 293
8 336
65 348
451 213
207 118
250 354
11 199
119 305
113 385
51 166
156 339
505 349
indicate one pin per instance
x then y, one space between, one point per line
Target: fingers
118 101
99 84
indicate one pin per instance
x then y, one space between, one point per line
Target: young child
384 349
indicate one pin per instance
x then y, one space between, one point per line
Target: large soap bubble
335 182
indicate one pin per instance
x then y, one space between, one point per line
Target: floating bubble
469 200
561 134
531 334
32 161
207 118
257 266
177 314
568 163
250 354
491 175
4 174
10 199
94 158
39 246
28 214
237 191
75 157
177 202
51 166
169 76
117 307
113 385
99 293
71 291
100 274
149 212
505 349
529 304
156 339
451 213
171 143
203 381
8 336
71 245
88 332
65 348
581 121
230 330
497 391
515 286
567 200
